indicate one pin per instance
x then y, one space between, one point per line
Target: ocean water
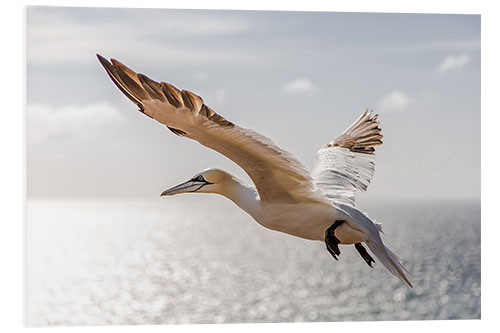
199 259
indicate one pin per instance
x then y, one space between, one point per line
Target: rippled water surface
202 260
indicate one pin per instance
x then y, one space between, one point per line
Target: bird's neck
244 196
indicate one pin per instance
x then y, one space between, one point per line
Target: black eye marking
201 180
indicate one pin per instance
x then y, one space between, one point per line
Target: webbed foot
332 242
364 254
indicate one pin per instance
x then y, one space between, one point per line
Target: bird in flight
286 197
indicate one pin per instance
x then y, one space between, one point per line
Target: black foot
332 242
362 251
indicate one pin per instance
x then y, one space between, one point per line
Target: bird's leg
332 242
362 251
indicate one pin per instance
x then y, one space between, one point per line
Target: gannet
286 198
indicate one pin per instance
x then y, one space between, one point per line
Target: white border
12 148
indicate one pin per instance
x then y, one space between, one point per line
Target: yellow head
208 181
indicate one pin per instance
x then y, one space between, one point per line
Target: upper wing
277 175
347 163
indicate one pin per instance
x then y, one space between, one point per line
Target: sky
299 78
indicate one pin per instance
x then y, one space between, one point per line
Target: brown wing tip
114 74
362 136
101 59
105 63
191 100
117 63
138 87
172 94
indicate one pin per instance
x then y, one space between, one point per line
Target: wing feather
277 174
347 164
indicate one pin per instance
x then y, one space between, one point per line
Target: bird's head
208 181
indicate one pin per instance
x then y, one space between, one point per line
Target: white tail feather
374 242
389 260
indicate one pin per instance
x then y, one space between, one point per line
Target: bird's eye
200 178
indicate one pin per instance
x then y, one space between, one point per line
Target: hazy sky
298 78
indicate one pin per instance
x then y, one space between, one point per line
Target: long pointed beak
189 186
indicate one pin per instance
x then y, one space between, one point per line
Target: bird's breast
304 220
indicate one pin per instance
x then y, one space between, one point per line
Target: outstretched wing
347 164
277 175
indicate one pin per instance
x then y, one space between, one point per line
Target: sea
199 259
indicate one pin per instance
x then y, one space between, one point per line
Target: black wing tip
110 62
102 60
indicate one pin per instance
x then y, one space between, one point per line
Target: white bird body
286 197
307 220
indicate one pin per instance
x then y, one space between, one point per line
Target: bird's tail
374 242
388 259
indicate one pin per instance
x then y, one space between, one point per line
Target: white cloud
82 47
465 45
70 121
394 101
300 85
55 37
453 63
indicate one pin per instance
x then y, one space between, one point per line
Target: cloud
61 36
465 45
46 122
300 85
453 63
394 101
